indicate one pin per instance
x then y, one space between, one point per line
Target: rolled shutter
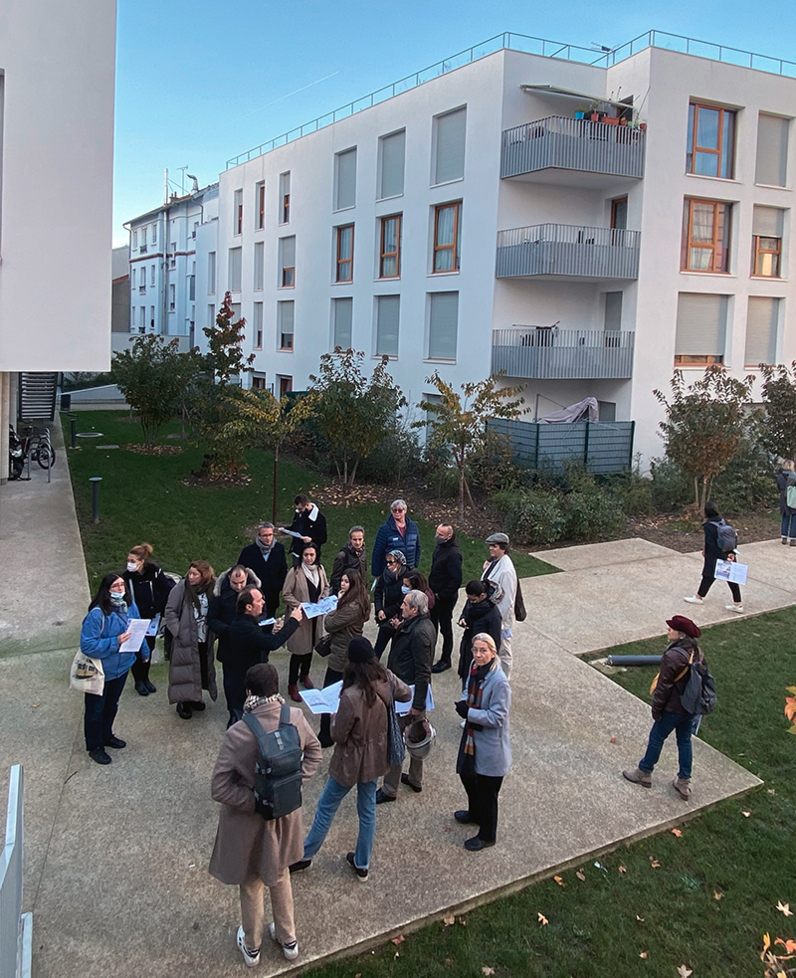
761 330
701 323
393 155
450 146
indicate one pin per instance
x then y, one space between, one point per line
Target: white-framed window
154 233
152 275
772 150
287 262
133 274
284 384
237 213
235 269
285 320
443 325
345 179
449 141
236 312
211 315
142 319
392 159
258 381
211 273
195 229
172 298
135 240
701 329
151 317
342 318
259 205
173 254
259 265
257 326
388 317
762 320
284 198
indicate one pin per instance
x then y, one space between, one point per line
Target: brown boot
293 693
306 682
683 787
637 776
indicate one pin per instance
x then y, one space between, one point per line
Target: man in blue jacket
396 533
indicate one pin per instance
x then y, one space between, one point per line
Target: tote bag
86 674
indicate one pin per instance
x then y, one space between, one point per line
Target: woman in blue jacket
396 533
105 628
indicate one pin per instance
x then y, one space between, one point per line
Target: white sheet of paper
731 570
138 629
291 533
321 608
323 700
267 621
403 708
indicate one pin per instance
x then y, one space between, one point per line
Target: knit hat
682 624
360 650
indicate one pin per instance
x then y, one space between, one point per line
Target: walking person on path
712 552
499 569
786 478
396 533
445 580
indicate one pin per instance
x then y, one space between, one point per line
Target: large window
257 326
342 315
450 131
392 155
767 224
237 213
285 318
345 179
211 273
344 249
772 150
711 141
390 247
235 266
706 236
701 324
619 213
259 265
388 315
287 262
443 323
259 205
761 330
284 198
447 237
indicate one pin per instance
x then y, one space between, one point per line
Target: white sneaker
694 599
290 950
734 607
252 960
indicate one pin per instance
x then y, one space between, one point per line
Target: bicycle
37 444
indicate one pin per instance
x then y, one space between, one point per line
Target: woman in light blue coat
105 628
485 748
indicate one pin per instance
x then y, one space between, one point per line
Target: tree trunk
276 483
461 489
469 495
696 493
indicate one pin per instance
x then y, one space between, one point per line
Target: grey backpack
277 774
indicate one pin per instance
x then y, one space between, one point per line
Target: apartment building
586 227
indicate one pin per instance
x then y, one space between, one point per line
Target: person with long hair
361 753
105 629
712 552
485 748
306 582
387 597
191 667
150 590
343 624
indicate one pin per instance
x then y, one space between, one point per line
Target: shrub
672 489
748 481
634 492
531 517
591 514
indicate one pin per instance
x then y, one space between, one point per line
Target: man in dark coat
310 523
351 557
479 615
220 615
267 559
445 580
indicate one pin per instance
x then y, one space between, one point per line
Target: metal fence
15 927
563 354
601 448
564 249
573 144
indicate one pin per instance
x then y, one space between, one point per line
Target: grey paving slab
603 554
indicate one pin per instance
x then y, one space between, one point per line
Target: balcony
563 249
575 145
550 353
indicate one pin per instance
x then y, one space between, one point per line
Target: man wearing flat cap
667 710
499 569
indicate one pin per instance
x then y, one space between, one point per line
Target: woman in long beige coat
306 582
250 851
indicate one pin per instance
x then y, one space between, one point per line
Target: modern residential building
586 227
163 261
120 298
57 70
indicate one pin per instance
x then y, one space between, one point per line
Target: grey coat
493 742
185 671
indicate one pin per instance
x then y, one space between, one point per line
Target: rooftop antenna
182 170
166 186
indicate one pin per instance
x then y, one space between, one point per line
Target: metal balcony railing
563 249
573 144
550 353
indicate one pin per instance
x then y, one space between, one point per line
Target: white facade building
472 222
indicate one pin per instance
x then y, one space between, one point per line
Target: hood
252 580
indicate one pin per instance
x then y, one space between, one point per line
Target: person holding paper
220 616
308 526
305 583
361 753
105 629
713 552
150 590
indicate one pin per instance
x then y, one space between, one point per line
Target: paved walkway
116 857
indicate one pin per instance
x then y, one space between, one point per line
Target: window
767 225
344 271
135 240
772 150
259 265
342 315
258 382
172 298
235 307
285 386
390 248
701 322
287 262
388 314
447 237
151 317
711 141
132 278
211 315
257 326
285 317
449 144
761 330
392 154
152 276
619 214
154 234
259 205
345 179
142 319
211 273
443 321
706 236
237 213
284 198
235 263
195 229
613 312
192 286
173 254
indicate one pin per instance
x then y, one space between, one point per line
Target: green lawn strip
144 497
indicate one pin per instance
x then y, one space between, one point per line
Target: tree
778 425
353 413
704 425
149 376
458 422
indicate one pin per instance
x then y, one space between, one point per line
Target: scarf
254 701
265 548
194 594
475 690
311 573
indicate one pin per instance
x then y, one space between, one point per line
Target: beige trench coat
295 591
245 842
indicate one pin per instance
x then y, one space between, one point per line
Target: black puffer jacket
222 609
150 589
480 616
387 595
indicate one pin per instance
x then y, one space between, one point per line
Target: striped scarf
475 690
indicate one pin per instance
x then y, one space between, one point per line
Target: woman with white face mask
150 590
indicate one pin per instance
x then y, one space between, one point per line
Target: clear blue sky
200 82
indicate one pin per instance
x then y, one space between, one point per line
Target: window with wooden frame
706 236
284 198
390 247
711 141
237 215
287 263
258 382
259 203
619 213
447 237
344 270
767 224
285 386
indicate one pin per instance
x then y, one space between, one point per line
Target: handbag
86 675
396 748
519 605
324 646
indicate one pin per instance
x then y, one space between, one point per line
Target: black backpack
699 695
727 536
277 774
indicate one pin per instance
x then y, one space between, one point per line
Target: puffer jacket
185 671
222 609
99 638
389 538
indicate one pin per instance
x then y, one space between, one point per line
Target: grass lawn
143 498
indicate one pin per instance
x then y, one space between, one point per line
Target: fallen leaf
654 863
676 832
684 972
643 954
580 876
542 919
789 945
717 894
790 707
397 954
559 881
746 814
34 705
449 921
623 869
448 961
462 921
398 940
358 975
486 970
784 908
640 918
613 739
772 791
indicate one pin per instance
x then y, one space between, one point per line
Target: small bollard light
95 481
73 429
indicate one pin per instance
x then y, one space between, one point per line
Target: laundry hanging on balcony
585 410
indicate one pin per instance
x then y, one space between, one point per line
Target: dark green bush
531 517
748 482
591 513
672 489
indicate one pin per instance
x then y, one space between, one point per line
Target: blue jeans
682 724
331 796
789 526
